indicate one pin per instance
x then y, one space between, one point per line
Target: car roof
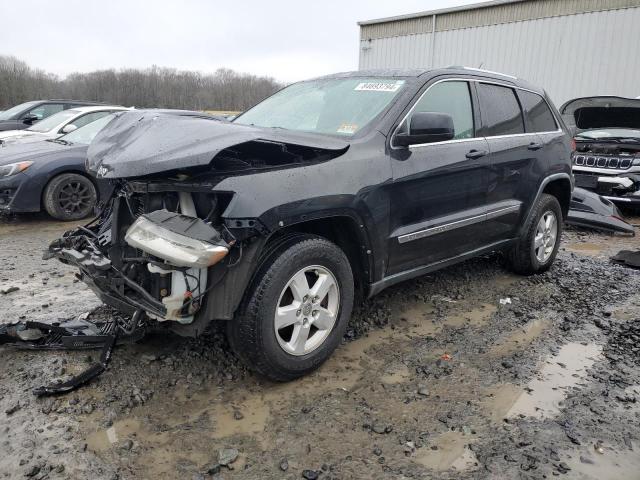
434 72
79 102
95 108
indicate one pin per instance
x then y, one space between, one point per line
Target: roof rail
97 102
484 71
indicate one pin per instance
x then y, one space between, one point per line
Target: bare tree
152 87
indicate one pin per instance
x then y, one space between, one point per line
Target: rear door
516 159
541 120
438 196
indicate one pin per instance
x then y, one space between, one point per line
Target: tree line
155 87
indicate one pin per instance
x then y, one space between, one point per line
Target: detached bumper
591 210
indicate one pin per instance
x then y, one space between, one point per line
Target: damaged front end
607 154
151 251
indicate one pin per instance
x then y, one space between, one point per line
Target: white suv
58 124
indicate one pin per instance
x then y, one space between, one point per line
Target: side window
88 118
537 112
452 98
46 110
500 109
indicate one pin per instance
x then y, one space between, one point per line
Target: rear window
500 109
537 112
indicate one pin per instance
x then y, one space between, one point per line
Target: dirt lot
436 378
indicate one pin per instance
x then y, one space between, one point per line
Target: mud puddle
521 338
452 453
586 248
542 397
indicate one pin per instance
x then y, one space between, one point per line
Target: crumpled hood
138 143
602 112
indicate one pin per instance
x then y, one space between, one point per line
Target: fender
545 181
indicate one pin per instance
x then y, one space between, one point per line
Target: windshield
85 135
49 123
603 134
336 106
14 111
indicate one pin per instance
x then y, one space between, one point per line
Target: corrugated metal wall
570 56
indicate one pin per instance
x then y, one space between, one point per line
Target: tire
527 257
282 354
69 196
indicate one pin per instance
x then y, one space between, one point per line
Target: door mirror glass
69 128
427 127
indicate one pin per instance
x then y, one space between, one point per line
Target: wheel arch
560 186
63 171
341 229
561 189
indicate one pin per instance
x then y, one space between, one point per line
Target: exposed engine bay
151 251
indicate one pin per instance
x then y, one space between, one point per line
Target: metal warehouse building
572 48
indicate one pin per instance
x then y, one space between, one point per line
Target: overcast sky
288 40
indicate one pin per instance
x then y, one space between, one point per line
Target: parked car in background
607 152
51 176
26 114
346 183
57 124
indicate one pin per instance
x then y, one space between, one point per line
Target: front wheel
537 248
296 311
69 196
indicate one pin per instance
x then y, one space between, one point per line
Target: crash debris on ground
440 377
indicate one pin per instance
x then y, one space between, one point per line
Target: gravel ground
470 372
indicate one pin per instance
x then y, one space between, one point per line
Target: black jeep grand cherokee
343 184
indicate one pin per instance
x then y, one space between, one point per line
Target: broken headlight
180 240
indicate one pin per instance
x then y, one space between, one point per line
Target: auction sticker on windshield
348 128
379 86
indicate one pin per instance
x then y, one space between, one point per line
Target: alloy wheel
75 197
307 310
546 236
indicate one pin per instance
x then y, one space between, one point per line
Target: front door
439 190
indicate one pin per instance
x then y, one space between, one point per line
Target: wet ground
471 372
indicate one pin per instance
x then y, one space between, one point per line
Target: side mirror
30 119
70 127
427 127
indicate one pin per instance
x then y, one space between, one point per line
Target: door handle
534 146
473 154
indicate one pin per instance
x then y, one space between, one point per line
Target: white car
58 124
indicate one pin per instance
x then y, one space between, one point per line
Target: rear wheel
537 248
70 196
296 311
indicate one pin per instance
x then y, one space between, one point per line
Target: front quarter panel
350 185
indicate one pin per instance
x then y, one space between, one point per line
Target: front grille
617 163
